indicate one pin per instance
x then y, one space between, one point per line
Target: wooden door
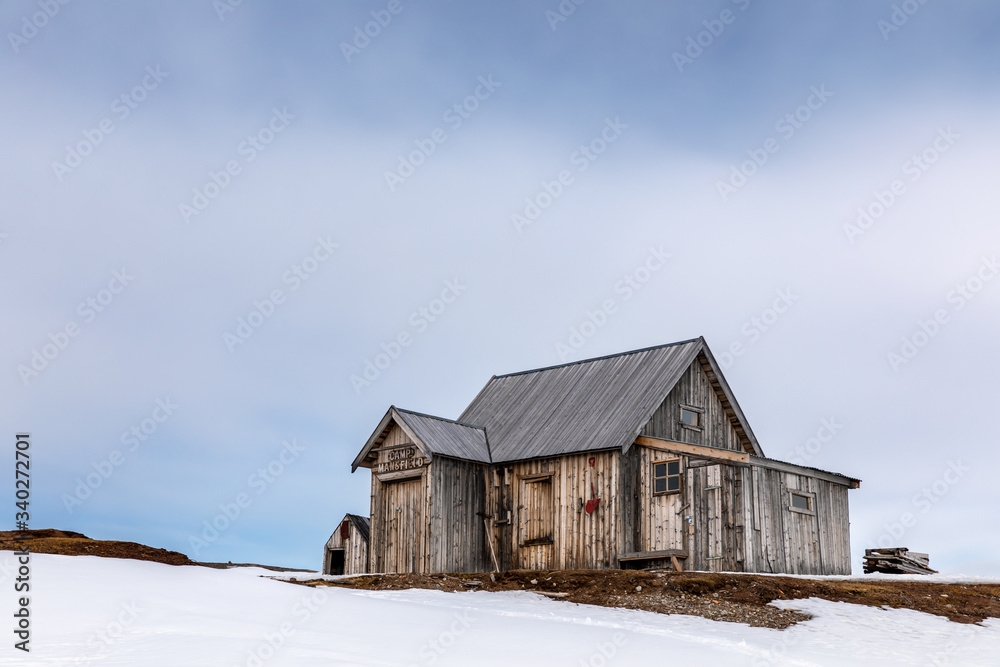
704 533
536 514
403 520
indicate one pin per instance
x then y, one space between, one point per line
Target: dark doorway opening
336 561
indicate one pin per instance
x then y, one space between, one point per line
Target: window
666 477
802 502
690 417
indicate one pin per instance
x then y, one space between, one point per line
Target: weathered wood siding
431 519
499 507
399 513
457 528
716 543
399 526
704 520
548 496
694 389
355 550
782 540
631 509
741 518
661 522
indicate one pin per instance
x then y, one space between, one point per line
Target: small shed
346 551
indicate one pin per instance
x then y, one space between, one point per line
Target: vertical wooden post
489 539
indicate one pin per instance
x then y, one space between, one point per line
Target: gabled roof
433 435
593 404
586 405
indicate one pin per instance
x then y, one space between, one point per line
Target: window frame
811 498
680 477
700 412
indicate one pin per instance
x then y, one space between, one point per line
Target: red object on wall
591 461
345 529
593 502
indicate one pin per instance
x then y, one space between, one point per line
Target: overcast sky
216 217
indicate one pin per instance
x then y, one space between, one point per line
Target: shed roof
447 436
362 523
593 404
433 435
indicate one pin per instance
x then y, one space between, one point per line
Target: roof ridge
444 419
607 356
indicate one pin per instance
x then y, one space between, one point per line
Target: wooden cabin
346 552
632 460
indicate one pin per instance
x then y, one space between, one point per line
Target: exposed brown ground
741 598
68 543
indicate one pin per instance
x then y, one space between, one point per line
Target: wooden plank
695 450
564 514
714 509
398 475
644 555
489 538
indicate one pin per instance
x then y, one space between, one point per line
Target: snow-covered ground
87 610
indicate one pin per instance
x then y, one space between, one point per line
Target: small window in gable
666 477
800 502
691 417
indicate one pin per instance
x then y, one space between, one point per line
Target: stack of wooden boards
898 560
